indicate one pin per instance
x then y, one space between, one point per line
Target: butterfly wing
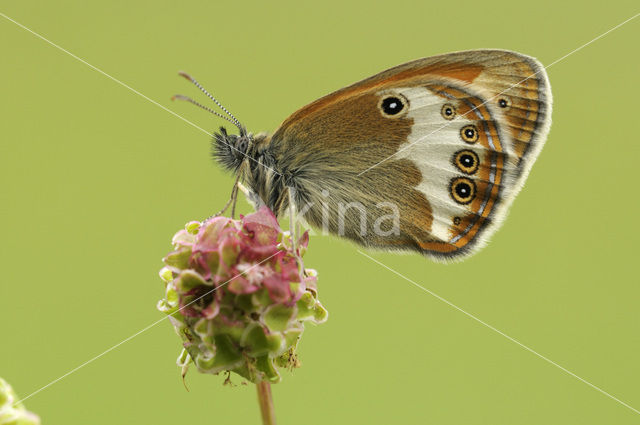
444 142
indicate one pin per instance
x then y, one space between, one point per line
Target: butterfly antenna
188 99
197 84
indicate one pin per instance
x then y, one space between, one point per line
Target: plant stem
266 403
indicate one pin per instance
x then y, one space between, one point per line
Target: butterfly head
232 149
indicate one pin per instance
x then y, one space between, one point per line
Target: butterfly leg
232 199
294 227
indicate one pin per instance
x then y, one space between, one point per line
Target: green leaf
265 365
245 302
259 342
213 261
166 274
320 314
305 305
278 316
292 335
202 328
184 358
309 308
189 279
227 355
192 227
178 259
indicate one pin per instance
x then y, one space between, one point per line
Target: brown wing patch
328 149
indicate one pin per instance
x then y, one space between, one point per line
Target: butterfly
426 156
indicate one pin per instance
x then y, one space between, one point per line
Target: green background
95 180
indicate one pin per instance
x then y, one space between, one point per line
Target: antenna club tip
185 75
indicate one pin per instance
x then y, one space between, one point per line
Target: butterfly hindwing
464 163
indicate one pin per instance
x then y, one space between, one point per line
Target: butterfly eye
392 105
469 133
503 102
448 111
463 190
242 145
467 161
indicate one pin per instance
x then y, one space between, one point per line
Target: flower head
12 413
237 294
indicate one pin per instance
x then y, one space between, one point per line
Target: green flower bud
12 413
